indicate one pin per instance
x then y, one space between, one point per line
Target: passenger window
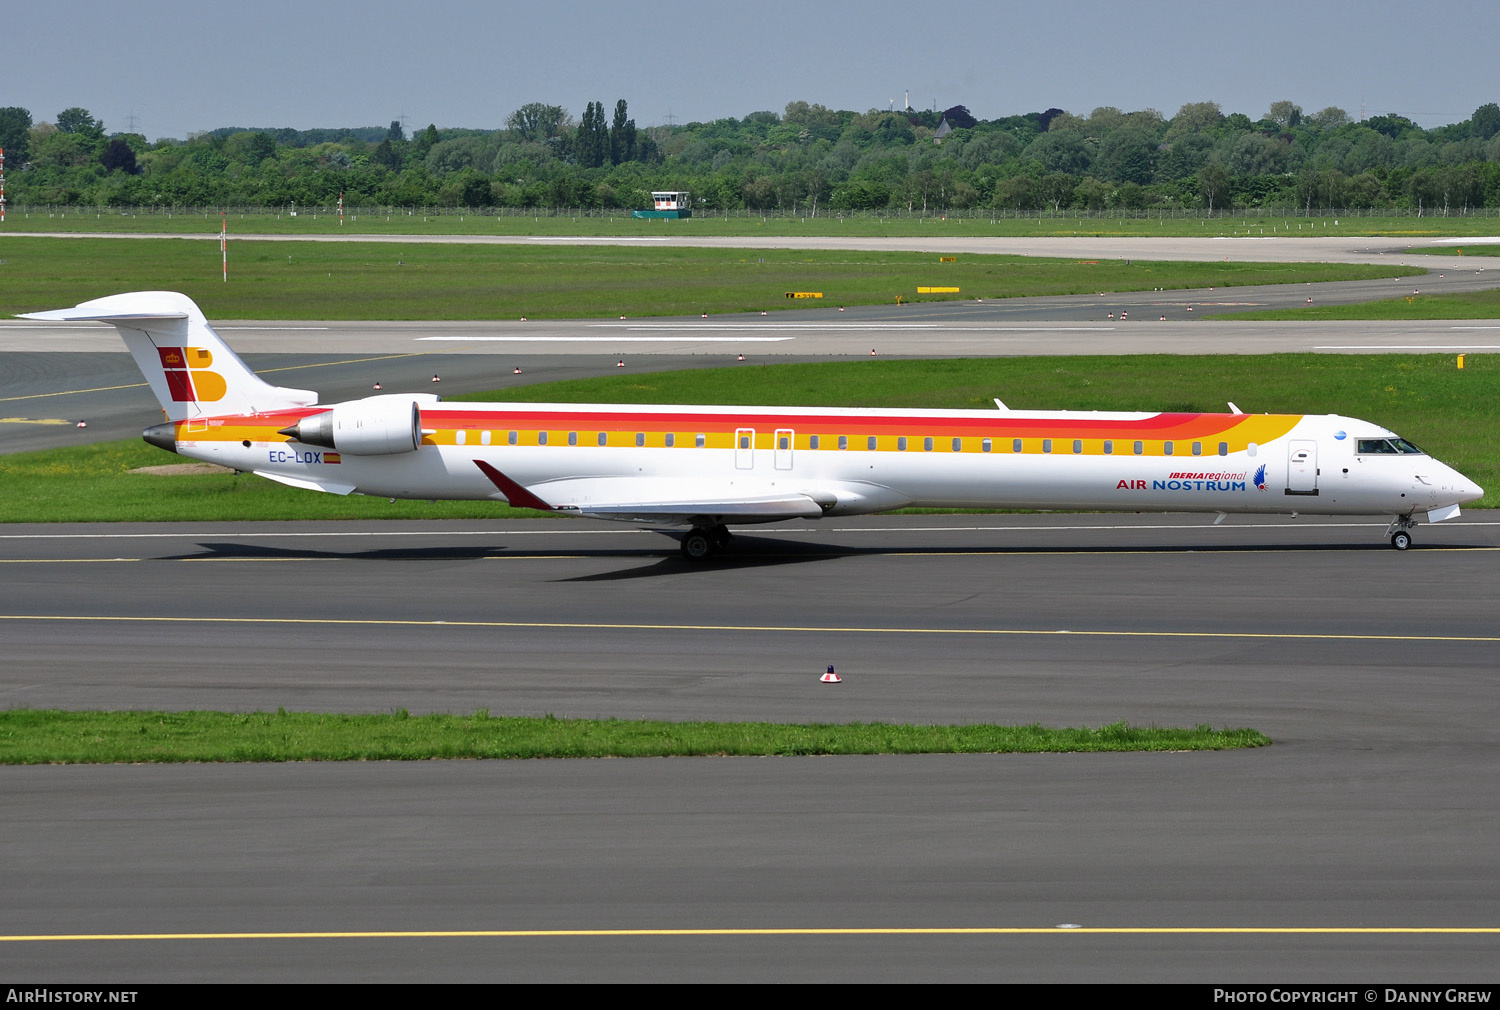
958 445
572 438
843 441
744 441
460 437
1197 448
484 438
927 444
541 438
985 445
671 439
1015 446
872 442
1046 445
1139 448
640 439
603 438
513 438
1251 449
812 443
783 442
1223 448
1166 448
699 440
1077 446
1109 447
901 444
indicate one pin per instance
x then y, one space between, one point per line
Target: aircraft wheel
1401 540
698 545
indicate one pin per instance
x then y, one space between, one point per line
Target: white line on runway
593 238
854 327
782 529
611 340
1407 347
273 327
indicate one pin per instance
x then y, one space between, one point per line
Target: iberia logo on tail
188 377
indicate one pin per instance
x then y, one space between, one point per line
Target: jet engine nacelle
374 426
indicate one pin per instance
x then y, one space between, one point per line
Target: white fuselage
956 459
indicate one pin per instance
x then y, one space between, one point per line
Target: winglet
515 494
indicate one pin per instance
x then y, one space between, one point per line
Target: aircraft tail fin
188 366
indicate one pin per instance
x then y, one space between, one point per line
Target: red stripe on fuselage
1162 426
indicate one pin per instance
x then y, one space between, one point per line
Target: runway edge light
830 677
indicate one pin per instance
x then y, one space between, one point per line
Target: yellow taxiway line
789 931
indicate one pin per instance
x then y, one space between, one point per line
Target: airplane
709 467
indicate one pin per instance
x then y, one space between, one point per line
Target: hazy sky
179 66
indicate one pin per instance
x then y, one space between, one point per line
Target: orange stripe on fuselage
719 428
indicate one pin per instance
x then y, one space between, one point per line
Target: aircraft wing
638 502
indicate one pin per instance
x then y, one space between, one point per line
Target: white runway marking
1407 347
854 327
569 239
610 340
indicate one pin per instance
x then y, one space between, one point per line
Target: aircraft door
785 439
1302 467
744 448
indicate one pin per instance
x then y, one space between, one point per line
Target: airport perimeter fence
16 214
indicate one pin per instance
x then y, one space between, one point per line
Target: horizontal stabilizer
84 314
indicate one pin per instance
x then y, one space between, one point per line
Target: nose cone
1462 488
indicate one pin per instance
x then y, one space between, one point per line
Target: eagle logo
1260 477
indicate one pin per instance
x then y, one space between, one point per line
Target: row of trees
807 159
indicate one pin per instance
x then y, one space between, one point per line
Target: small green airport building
668 204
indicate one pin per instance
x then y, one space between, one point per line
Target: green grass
617 223
93 483
1461 305
29 736
1453 414
326 280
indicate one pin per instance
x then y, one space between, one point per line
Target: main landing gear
1398 530
703 542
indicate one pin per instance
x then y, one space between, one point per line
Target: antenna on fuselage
999 405
1233 409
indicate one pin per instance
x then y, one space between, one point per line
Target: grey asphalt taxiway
1374 671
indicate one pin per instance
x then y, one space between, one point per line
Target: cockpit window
1388 447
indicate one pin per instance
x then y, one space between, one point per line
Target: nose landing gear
1398 532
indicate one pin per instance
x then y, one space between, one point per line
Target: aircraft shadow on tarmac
747 552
